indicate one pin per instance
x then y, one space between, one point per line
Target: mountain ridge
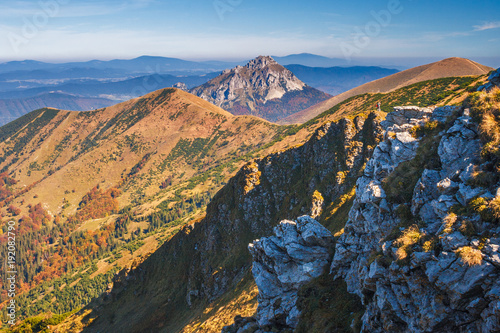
444 68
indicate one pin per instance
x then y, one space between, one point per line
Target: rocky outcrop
493 81
262 87
417 266
181 86
298 252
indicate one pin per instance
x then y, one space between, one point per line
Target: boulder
493 81
299 251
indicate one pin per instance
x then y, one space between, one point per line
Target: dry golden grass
470 256
429 245
489 127
449 221
410 237
252 178
444 68
495 207
317 196
242 302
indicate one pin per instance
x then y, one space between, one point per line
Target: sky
71 30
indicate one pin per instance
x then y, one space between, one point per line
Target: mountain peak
261 62
253 88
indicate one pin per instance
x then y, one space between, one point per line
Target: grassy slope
427 93
212 257
60 155
72 152
450 67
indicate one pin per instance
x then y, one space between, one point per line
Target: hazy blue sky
56 30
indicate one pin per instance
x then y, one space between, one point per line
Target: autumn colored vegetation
97 204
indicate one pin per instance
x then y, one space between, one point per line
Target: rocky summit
261 88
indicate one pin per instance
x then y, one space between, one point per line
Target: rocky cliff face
262 88
418 266
299 252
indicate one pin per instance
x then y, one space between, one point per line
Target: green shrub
480 206
327 307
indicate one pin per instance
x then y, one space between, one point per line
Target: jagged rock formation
493 81
261 88
181 86
417 267
299 252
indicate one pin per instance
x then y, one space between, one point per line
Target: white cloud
487 26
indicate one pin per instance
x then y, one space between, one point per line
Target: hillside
449 67
70 142
261 88
93 192
211 255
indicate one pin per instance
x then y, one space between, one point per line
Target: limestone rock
436 289
493 81
181 86
403 115
298 252
257 88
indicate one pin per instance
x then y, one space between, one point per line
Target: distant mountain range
148 64
311 60
261 88
336 80
12 109
140 65
94 84
116 90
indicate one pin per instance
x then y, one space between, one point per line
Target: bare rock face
422 282
181 86
298 252
258 89
493 81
